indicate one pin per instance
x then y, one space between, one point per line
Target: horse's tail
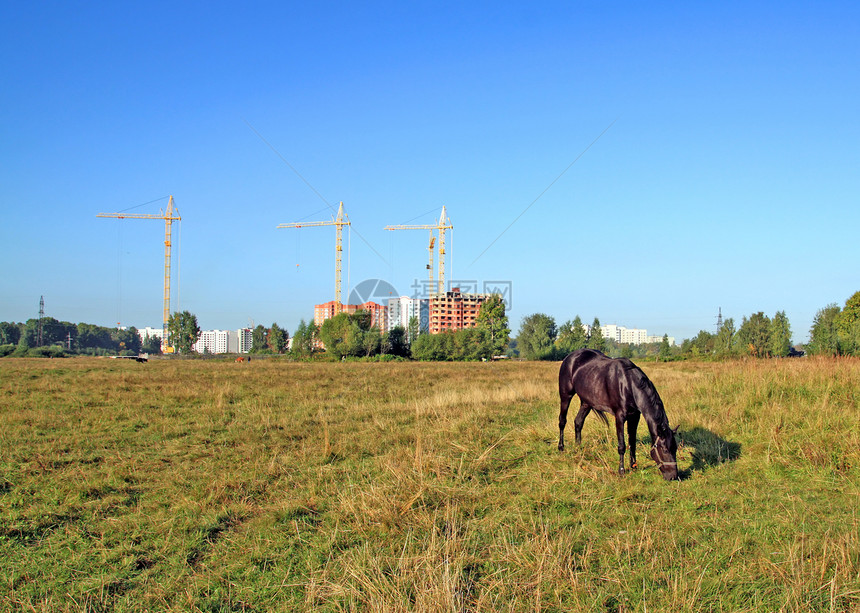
602 416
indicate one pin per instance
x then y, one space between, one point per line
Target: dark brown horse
619 387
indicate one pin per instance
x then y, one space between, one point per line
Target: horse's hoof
561 447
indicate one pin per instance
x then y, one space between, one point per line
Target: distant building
211 341
378 313
659 339
402 310
631 336
149 332
244 340
224 341
454 310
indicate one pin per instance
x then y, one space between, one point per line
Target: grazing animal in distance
240 359
619 387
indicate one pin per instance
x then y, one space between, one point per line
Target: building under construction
453 310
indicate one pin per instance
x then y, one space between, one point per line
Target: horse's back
598 380
573 366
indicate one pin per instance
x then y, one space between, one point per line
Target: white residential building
244 340
632 336
149 332
224 341
212 341
402 310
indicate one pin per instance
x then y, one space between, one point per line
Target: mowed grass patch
216 486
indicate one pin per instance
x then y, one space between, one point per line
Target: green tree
371 341
780 335
303 339
94 338
537 337
362 318
183 331
414 329
394 342
848 326
824 333
127 341
754 335
702 344
571 336
277 339
595 338
665 348
151 344
259 339
725 339
10 333
337 336
491 317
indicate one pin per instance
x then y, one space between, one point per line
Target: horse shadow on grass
709 449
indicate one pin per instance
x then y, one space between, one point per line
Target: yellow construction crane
169 216
443 224
339 222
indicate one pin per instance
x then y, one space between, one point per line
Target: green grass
276 486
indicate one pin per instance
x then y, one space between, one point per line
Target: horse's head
663 452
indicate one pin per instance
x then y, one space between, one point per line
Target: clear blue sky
728 178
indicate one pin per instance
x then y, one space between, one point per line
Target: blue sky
727 177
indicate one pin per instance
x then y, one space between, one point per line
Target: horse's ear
675 430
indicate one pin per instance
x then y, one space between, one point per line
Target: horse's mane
646 387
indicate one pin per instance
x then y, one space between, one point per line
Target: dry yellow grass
185 485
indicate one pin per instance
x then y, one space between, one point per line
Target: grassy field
276 486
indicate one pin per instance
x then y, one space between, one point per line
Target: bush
6 350
46 352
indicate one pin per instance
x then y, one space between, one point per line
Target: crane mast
169 216
339 222
443 224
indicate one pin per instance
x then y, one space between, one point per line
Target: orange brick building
454 310
378 313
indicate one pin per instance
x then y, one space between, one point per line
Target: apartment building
378 313
632 336
454 310
402 310
224 341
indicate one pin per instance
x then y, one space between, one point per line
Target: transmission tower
41 317
719 318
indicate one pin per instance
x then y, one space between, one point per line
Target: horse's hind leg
579 420
632 425
562 419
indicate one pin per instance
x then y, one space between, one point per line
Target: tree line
540 338
835 332
63 337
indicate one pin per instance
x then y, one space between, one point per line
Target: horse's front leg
619 430
632 425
